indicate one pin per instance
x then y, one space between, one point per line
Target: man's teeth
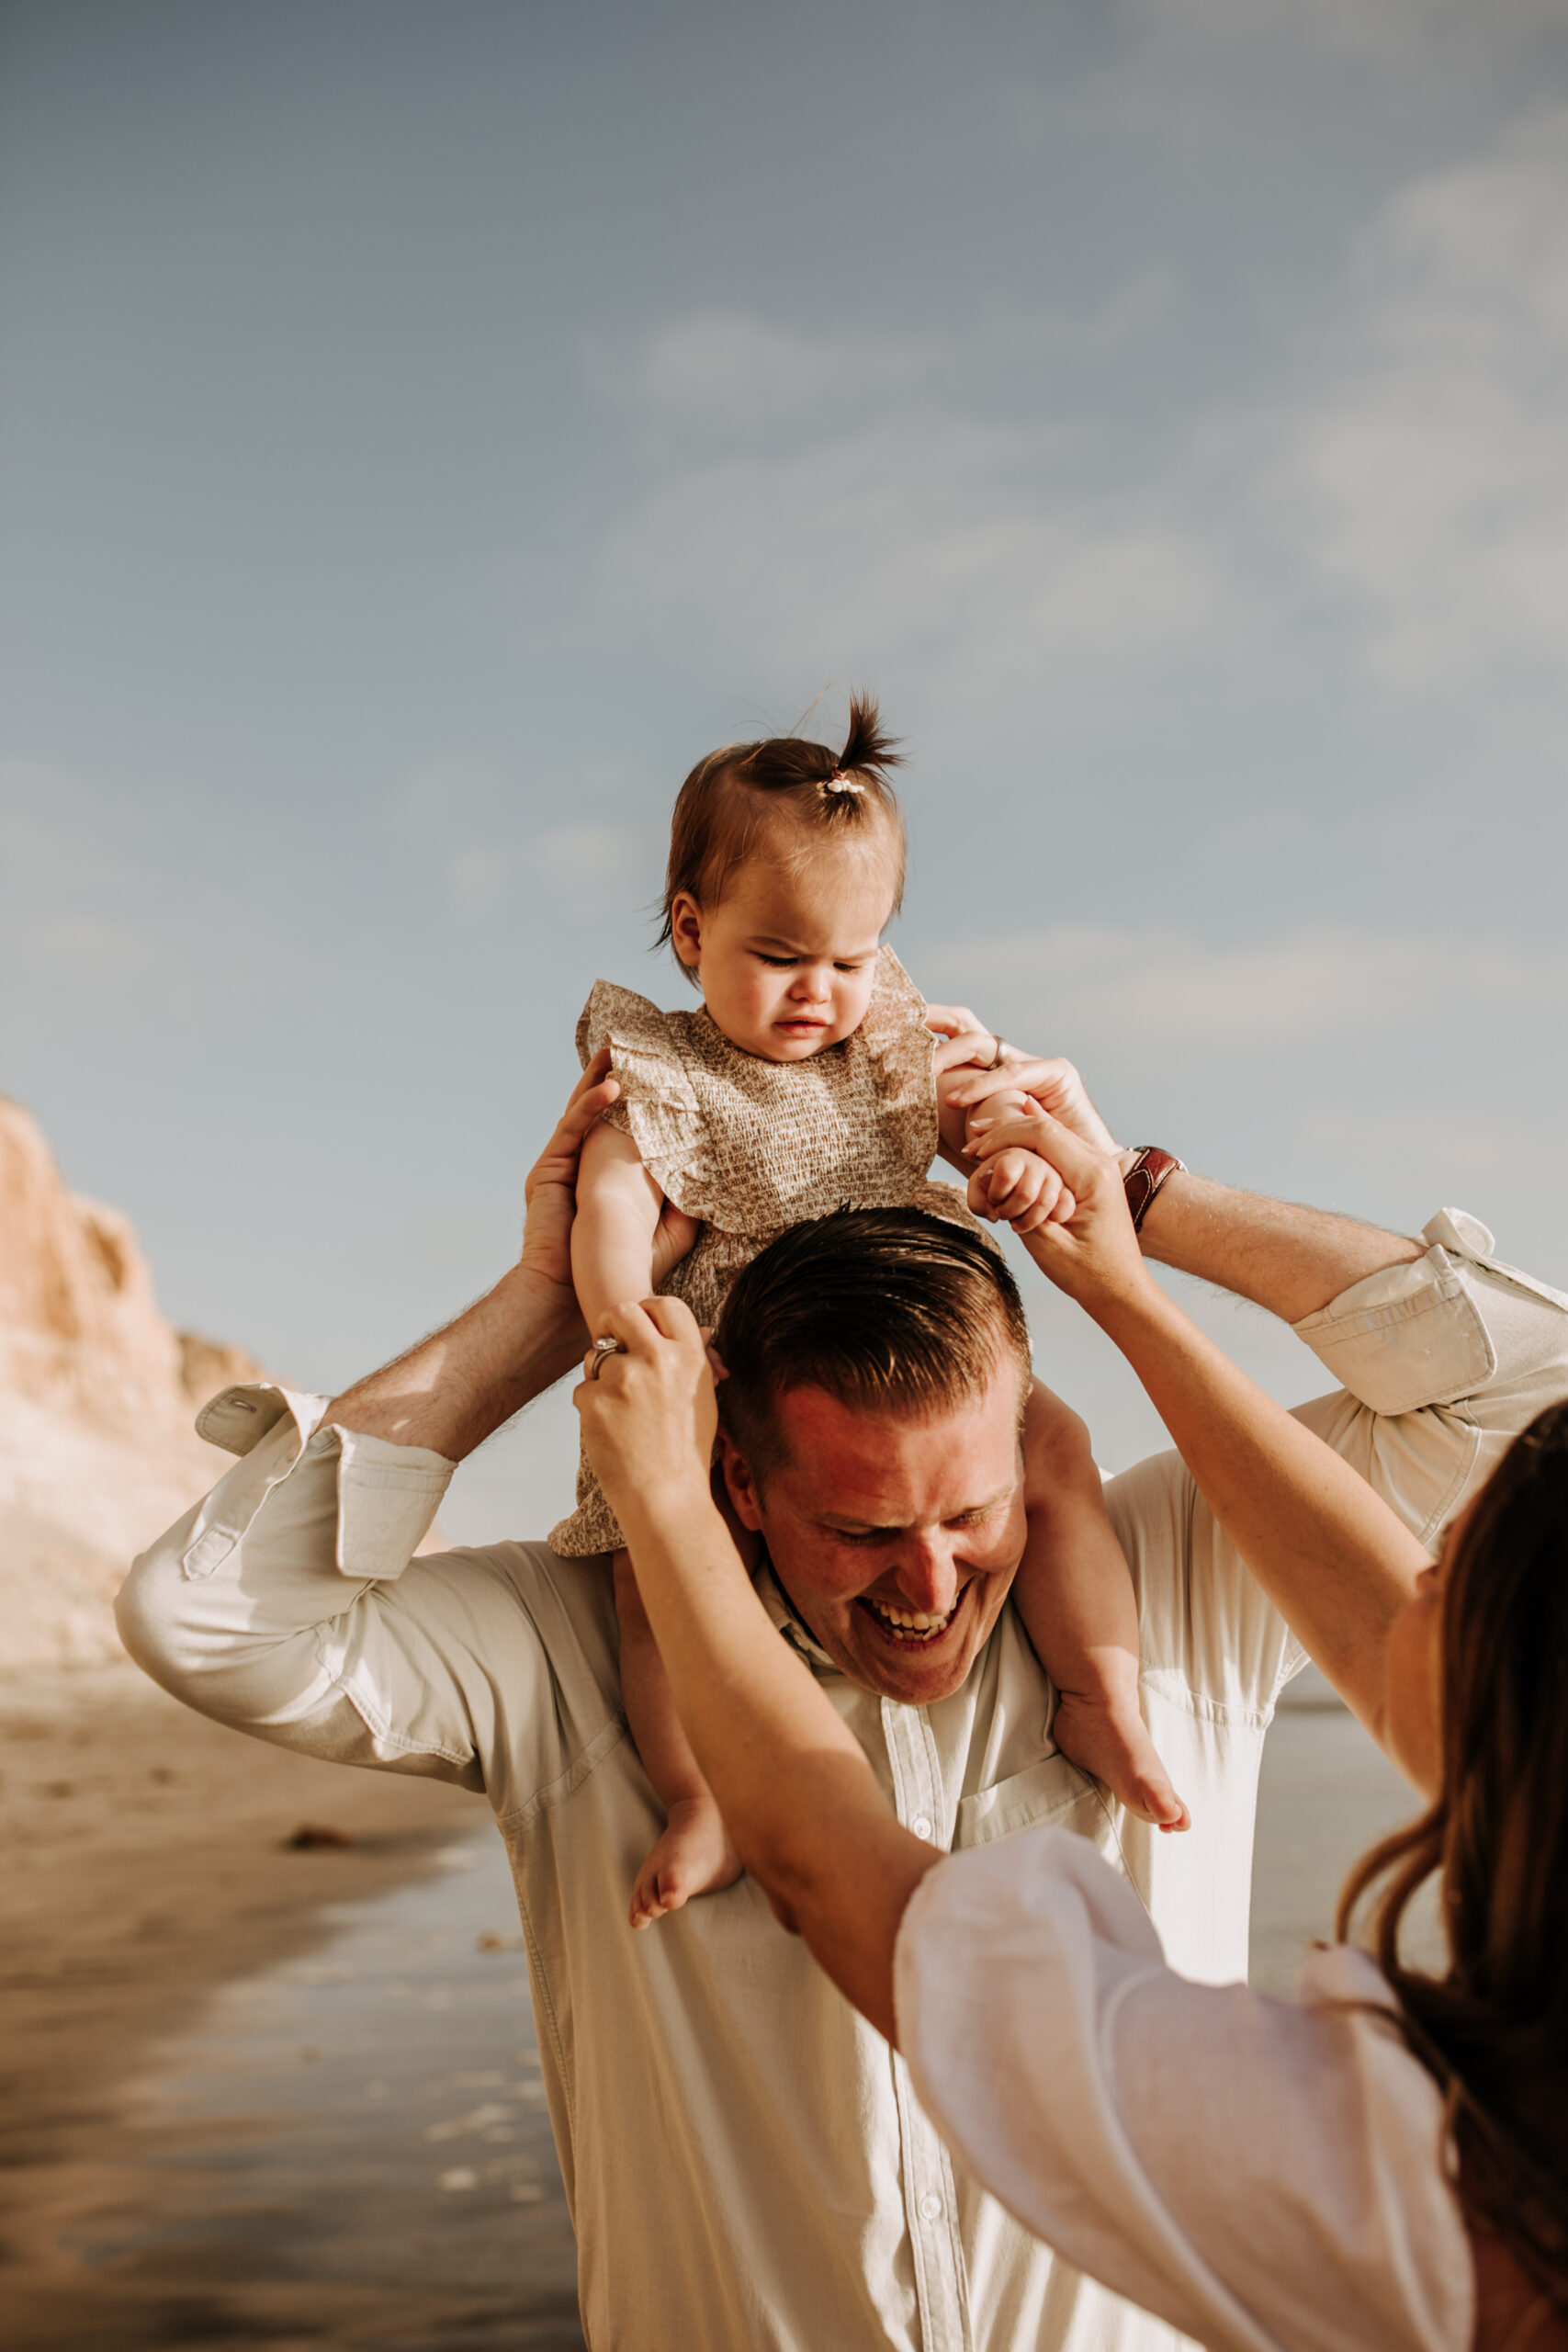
914 1622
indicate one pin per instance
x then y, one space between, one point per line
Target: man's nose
928 1572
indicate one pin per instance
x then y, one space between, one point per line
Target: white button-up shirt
746 2162
1274 2175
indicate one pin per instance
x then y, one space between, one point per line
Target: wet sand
291 2098
145 1862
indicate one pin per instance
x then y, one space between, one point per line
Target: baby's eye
778 963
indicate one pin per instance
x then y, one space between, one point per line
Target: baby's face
788 956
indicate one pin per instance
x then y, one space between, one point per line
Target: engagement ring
599 1351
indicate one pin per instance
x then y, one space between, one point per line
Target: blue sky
423 431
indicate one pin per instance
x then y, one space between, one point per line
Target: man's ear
745 1496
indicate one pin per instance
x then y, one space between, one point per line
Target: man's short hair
887 1310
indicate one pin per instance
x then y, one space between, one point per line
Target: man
746 2161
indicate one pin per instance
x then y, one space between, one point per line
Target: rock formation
97 1394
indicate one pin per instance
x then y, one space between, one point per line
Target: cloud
1394 34
1171 986
755 370
1467 1150
81 947
937 538
1424 481
574 863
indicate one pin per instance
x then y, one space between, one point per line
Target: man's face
874 1520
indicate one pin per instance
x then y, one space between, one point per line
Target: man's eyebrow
843 1525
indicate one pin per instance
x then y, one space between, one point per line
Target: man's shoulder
569 1603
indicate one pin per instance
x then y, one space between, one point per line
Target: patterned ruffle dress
752 1146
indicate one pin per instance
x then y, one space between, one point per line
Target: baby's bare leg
694 1855
1075 1597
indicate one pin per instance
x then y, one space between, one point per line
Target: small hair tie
842 783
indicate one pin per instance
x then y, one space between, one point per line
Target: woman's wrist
673 1512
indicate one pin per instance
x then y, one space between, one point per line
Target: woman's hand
650 1414
1055 1085
1017 1185
1086 1244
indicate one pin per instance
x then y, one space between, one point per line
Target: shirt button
930 2209
922 1828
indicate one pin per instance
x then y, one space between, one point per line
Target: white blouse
1266 2176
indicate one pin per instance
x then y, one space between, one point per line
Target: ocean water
353 2149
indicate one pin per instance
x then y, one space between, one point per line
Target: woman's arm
779 1759
1329 1552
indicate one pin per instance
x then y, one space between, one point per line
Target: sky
425 431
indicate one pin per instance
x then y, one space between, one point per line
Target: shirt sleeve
1441 1361
1263 2176
288 1605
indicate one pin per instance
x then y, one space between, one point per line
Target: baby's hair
732 799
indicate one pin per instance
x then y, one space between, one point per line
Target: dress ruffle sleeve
659 1106
900 1049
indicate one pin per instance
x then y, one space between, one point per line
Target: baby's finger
1017 1180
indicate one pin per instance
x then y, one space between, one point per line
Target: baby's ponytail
869 751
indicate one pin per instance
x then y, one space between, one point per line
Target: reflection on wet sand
351 2147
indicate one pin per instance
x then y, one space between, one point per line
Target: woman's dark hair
733 796
1494 2029
890 1310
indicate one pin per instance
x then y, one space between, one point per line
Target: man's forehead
870 1452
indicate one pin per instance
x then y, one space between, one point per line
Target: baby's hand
1017 1187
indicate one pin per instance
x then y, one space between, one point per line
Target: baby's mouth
916 1625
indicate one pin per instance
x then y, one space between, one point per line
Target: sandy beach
149 1866
147 1860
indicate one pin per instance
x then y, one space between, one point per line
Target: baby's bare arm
1062 1485
618 1205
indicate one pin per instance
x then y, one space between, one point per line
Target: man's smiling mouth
907 1627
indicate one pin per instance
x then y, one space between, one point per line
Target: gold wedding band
599 1351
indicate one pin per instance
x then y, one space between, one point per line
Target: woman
1385 2164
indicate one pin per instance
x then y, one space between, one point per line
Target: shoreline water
148 1862
234 2068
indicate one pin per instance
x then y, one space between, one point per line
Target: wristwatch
1151 1168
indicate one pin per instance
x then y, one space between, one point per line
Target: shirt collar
771 1594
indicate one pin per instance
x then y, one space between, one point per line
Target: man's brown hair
734 796
889 1310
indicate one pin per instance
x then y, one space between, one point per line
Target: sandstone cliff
97 1394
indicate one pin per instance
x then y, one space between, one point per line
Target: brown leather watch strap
1151 1168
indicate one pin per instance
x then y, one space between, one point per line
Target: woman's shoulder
1203 2148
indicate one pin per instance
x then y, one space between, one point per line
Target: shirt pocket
1050 1791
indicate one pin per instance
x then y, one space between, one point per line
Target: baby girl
807 1080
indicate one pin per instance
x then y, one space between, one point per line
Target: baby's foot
1112 1742
694 1857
